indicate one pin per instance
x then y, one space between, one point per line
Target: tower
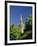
21 25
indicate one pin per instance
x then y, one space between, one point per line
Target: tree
14 32
29 23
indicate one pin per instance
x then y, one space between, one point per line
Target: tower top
20 18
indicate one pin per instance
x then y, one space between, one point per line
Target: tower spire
21 25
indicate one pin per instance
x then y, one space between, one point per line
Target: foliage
15 33
29 23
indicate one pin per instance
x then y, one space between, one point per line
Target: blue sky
17 11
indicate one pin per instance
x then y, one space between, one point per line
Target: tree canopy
15 33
